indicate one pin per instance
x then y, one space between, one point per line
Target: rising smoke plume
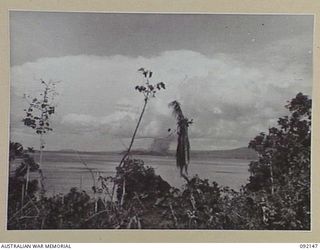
161 145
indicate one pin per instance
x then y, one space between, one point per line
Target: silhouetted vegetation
148 90
276 197
37 117
183 144
281 176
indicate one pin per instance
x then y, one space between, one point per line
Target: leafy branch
37 116
149 91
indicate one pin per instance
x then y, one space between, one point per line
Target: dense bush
139 180
199 205
66 212
21 191
277 195
281 176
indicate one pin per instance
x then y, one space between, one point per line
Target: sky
232 74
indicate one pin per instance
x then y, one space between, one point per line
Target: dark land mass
238 153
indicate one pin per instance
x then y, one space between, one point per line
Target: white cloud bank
229 100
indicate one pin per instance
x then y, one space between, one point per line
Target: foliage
196 206
277 196
183 144
66 212
139 180
37 117
19 160
281 176
148 90
40 109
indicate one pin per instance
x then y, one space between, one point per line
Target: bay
63 171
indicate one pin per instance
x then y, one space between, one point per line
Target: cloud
229 100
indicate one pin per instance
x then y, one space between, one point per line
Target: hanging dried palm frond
183 143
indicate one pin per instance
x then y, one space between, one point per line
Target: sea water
63 171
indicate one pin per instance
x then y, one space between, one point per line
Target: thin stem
146 98
96 214
135 132
123 191
27 179
129 149
87 167
22 197
173 216
41 137
271 178
19 211
40 163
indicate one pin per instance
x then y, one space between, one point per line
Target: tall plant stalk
38 118
135 132
148 90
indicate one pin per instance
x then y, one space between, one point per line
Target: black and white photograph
160 121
